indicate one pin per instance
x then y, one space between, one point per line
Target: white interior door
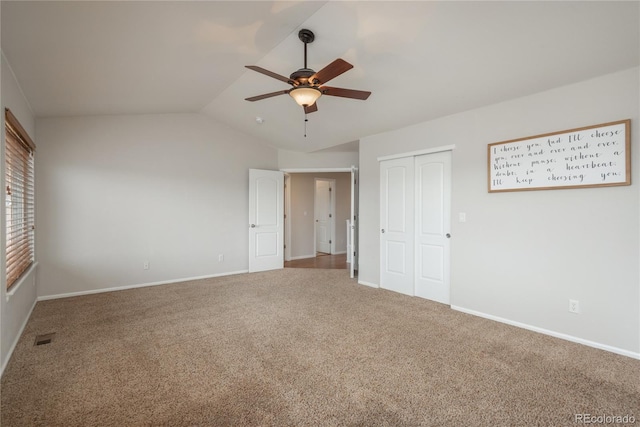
323 215
353 266
433 223
397 225
266 218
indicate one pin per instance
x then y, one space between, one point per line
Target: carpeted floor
298 347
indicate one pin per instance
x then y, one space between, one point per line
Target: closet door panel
433 218
397 219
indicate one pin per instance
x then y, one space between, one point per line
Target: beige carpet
298 347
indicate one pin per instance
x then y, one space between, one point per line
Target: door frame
418 152
287 217
354 204
332 214
354 219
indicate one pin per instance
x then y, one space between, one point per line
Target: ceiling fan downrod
306 36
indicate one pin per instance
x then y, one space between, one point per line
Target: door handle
382 231
253 226
448 235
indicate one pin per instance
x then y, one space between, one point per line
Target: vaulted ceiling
420 60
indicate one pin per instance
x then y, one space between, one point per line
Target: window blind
20 195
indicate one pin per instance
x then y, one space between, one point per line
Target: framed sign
592 156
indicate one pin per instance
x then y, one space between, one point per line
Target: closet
415 222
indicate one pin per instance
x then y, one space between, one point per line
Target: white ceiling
421 59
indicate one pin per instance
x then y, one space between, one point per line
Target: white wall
116 191
521 256
302 200
16 306
327 159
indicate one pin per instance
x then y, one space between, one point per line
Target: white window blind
20 204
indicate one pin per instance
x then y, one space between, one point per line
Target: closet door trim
418 153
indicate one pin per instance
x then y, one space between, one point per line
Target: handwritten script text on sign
584 157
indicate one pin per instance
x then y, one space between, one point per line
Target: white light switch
462 217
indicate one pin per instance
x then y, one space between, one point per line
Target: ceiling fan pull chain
305 124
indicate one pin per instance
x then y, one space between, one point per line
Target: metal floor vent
44 339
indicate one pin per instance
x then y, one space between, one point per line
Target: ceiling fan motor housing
301 77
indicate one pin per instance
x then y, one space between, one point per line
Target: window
20 190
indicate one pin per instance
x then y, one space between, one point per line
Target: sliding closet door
397 225
433 224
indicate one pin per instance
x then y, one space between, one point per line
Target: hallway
335 262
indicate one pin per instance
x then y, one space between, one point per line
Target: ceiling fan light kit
305 96
307 84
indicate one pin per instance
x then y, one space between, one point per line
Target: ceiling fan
308 85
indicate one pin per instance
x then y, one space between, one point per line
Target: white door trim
354 223
418 152
287 217
315 170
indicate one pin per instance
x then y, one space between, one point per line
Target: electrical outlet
145 265
220 258
574 306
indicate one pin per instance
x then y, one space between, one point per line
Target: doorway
317 232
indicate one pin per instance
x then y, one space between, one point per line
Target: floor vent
44 339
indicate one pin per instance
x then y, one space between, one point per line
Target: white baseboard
15 342
623 352
141 285
339 253
293 258
371 285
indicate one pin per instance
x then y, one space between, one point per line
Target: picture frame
585 157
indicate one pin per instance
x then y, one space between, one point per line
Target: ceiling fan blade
269 73
311 108
266 95
345 93
331 71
